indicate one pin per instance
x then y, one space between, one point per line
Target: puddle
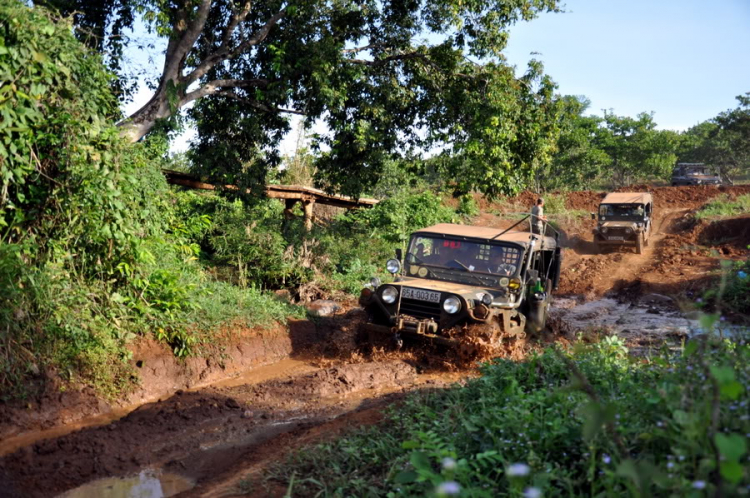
149 483
644 323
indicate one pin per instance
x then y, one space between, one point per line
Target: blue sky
684 60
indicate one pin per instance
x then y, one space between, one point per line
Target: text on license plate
616 238
421 295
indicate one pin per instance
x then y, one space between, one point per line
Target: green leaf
420 460
410 445
723 375
731 390
731 446
690 348
731 471
405 477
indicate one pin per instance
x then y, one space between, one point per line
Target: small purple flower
699 484
518 470
606 459
448 488
742 274
532 493
449 463
699 300
670 465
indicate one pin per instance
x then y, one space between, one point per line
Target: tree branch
257 105
224 52
215 86
179 46
385 60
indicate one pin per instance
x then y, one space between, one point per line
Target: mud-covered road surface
214 434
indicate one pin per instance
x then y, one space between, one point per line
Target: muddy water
646 323
149 483
256 375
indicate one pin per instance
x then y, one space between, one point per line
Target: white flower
448 488
449 463
532 493
699 484
518 470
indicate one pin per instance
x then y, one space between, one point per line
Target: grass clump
724 207
591 422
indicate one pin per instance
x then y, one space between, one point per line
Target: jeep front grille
618 232
420 309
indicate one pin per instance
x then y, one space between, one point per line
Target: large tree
723 141
636 148
387 77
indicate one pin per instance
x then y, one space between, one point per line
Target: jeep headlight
393 266
504 282
452 305
375 282
389 294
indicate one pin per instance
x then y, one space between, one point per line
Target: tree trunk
143 120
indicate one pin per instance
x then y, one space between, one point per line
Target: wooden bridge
291 194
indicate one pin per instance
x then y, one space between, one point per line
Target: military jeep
624 219
464 287
694 174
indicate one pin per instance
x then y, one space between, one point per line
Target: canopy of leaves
388 79
723 141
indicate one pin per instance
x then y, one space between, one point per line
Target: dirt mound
731 236
585 200
687 197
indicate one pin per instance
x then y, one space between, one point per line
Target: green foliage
645 430
723 141
579 158
736 294
723 206
393 219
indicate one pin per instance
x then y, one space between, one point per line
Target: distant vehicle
694 174
624 220
458 277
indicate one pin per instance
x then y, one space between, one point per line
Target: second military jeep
465 286
694 174
624 219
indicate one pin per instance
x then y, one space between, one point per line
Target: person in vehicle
537 217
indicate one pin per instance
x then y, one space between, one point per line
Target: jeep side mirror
593 216
399 254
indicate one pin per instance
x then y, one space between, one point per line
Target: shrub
592 422
723 206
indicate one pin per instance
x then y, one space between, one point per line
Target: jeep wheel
639 243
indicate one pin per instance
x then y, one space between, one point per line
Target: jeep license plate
421 295
615 238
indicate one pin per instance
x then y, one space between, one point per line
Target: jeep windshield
463 261
621 212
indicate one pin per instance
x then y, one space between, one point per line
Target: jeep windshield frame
622 212
461 259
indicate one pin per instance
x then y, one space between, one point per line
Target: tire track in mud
211 433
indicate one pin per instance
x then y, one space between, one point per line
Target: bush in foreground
591 423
